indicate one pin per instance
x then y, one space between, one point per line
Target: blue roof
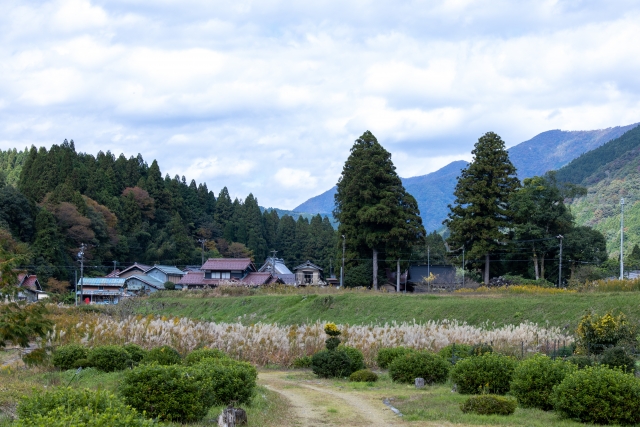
148 280
167 269
102 281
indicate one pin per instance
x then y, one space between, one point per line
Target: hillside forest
125 211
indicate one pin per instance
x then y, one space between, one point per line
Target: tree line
126 211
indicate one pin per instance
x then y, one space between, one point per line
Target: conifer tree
480 216
374 210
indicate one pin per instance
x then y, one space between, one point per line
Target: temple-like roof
281 268
307 264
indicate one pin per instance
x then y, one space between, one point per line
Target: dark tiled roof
307 264
167 269
227 264
29 282
257 278
197 278
114 273
148 280
287 279
142 267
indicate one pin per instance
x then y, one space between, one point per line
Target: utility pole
621 238
76 285
114 265
428 261
273 261
202 241
463 266
342 268
398 277
560 236
81 256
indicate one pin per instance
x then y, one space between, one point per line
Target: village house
308 274
277 268
102 290
216 271
29 288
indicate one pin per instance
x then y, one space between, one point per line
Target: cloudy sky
267 96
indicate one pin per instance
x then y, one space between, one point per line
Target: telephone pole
83 247
560 236
202 241
621 238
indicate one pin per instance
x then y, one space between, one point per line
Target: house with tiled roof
29 288
141 284
309 274
102 290
165 273
133 270
277 267
216 271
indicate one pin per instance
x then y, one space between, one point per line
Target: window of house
101 288
308 277
226 275
215 274
207 275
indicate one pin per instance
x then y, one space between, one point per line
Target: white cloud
268 97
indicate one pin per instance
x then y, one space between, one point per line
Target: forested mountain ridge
610 173
434 191
125 211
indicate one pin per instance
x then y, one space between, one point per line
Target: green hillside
610 173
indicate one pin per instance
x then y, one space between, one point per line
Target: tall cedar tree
374 210
481 214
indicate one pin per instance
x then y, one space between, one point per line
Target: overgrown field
364 308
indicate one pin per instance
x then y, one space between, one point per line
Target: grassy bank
376 308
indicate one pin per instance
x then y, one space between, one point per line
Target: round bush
455 352
302 362
64 357
64 407
363 376
617 357
164 355
489 373
332 343
534 379
227 380
599 395
331 364
170 392
489 404
356 357
431 367
136 353
388 355
109 358
580 361
196 356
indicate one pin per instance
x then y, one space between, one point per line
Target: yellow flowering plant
331 329
596 333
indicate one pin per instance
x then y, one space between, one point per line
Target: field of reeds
273 344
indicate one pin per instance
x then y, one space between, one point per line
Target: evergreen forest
125 211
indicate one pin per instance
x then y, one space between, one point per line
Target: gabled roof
102 281
281 268
167 269
114 273
257 278
287 279
148 280
29 282
197 278
141 267
307 264
227 264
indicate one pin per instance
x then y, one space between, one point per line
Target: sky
267 97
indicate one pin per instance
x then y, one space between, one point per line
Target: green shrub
77 407
489 373
363 376
164 355
136 353
489 404
356 357
227 380
422 364
534 379
460 351
65 357
617 357
186 393
331 364
580 361
82 363
170 392
388 355
599 395
302 362
332 343
109 358
480 349
196 356
597 333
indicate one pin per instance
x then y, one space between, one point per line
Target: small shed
30 288
308 274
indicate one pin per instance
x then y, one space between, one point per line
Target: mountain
609 172
434 191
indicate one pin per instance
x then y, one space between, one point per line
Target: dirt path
317 405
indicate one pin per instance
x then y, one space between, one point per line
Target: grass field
563 310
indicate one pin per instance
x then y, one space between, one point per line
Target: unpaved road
318 405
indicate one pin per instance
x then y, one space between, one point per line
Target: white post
398 277
342 268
